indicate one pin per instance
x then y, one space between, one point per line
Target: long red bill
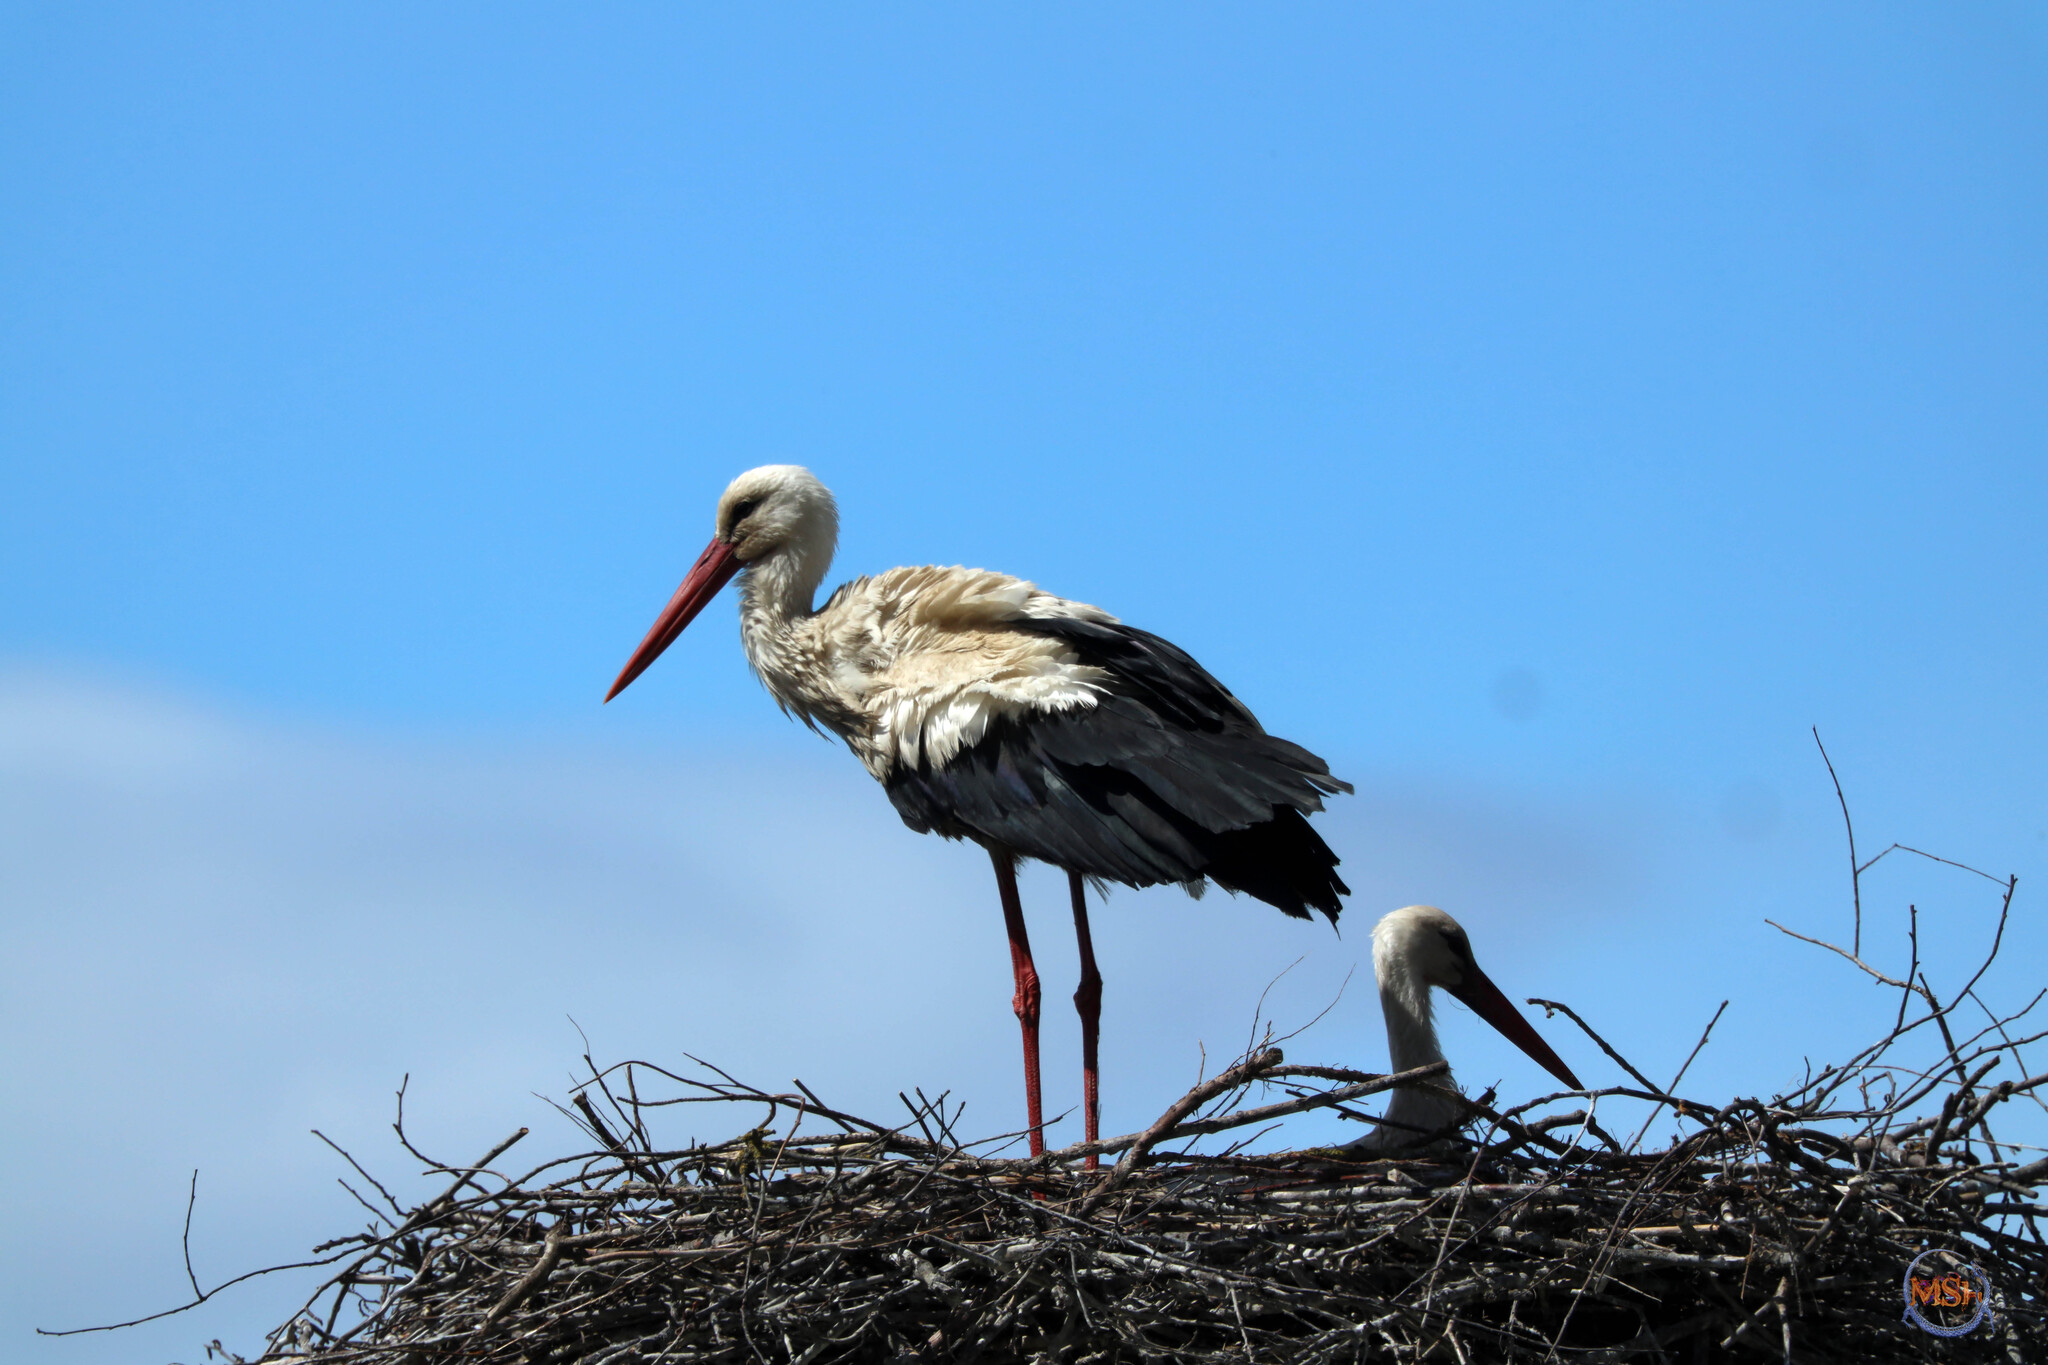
1489 1004
712 571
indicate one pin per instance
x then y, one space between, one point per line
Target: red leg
1025 1001
1088 1000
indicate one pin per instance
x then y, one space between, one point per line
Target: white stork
1413 949
1035 726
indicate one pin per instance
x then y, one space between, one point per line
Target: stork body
1415 949
1035 726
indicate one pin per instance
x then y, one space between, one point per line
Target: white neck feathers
1399 944
1411 1025
780 587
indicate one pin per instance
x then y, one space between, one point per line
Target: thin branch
1248 1070
1658 1108
1848 825
191 1198
1550 1006
357 1166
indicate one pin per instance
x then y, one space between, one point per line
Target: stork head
777 520
775 508
1419 946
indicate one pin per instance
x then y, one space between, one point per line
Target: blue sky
1547 416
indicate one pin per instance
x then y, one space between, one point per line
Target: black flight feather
1168 778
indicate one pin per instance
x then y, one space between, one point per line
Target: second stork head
1414 950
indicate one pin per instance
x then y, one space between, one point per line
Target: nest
1756 1233
1785 1228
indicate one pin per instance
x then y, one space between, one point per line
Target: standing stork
1035 726
1413 949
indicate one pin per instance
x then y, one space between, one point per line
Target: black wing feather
1168 778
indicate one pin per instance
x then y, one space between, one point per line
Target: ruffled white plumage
913 665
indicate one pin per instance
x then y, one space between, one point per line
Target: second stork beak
712 571
1489 1004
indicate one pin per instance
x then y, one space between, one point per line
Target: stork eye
743 509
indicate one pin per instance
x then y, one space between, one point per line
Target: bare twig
1244 1072
1658 1108
1849 826
1550 1006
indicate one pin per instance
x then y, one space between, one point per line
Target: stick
1243 1072
550 1252
1855 872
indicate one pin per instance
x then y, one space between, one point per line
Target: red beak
1489 1004
712 571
